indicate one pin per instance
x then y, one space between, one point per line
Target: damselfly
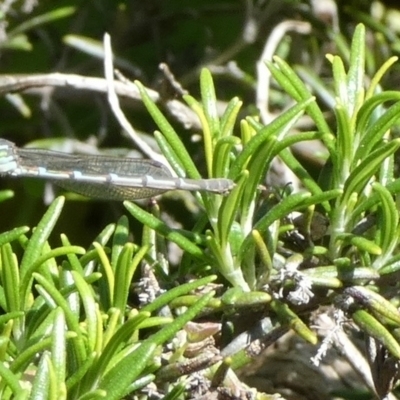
105 177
